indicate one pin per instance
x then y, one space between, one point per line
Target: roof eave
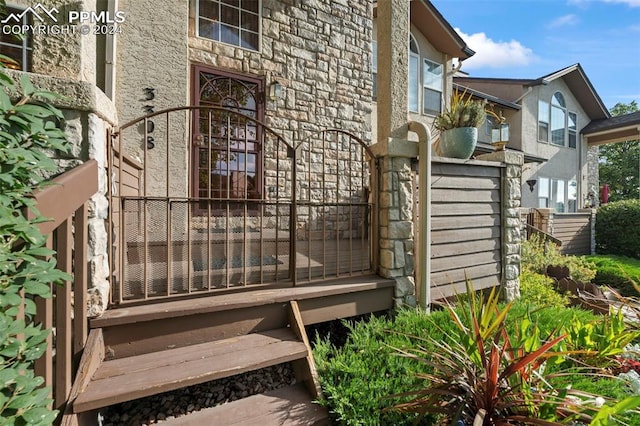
438 31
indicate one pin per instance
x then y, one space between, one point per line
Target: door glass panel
228 163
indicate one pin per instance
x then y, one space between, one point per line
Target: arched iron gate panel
223 202
334 206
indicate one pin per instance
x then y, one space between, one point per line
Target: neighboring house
549 126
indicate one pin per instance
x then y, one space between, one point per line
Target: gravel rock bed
168 405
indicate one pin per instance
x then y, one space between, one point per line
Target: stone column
592 230
546 220
396 224
396 187
511 231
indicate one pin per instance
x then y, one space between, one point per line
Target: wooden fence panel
574 230
466 239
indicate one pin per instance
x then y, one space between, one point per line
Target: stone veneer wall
397 227
88 113
319 50
593 171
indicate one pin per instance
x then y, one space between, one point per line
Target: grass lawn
618 272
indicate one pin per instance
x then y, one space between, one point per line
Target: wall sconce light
532 184
276 91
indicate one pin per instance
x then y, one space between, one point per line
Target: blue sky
532 38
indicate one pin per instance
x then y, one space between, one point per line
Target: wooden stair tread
149 374
288 406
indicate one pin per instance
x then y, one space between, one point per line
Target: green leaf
27 88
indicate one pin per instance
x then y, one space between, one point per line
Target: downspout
423 249
529 89
110 56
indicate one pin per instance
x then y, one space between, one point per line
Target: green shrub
538 290
28 132
618 272
618 228
358 378
537 254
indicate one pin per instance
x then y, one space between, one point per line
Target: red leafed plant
482 378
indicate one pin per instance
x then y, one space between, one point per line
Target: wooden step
160 325
288 406
138 376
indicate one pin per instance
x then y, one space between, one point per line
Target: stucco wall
427 51
564 163
70 56
151 52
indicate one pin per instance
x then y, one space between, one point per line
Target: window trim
26 44
195 88
567 130
549 201
425 86
197 26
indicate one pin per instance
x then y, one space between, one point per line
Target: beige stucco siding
564 163
427 51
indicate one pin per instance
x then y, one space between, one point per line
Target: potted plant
458 126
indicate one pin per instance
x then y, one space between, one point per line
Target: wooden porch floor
344 297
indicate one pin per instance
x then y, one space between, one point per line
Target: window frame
548 197
431 112
559 105
25 45
414 56
196 70
239 27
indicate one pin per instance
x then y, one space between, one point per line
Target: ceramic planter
459 142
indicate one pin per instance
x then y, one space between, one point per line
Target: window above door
234 22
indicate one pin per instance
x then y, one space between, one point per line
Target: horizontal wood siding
465 227
574 230
126 183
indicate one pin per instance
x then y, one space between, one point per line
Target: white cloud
563 21
632 3
495 54
582 3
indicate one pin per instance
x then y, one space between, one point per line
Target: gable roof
579 84
437 30
514 89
